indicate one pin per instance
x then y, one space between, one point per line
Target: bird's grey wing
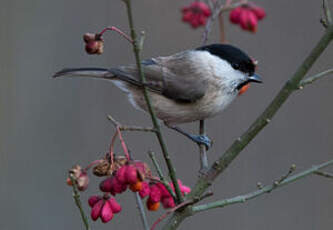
175 77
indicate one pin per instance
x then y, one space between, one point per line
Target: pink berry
155 194
259 12
145 190
116 208
93 200
131 174
168 202
121 174
96 210
106 213
106 185
234 15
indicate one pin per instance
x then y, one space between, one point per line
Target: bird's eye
235 66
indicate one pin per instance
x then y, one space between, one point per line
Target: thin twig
240 143
324 174
266 189
202 149
113 28
76 196
160 173
129 128
310 80
142 212
136 50
284 177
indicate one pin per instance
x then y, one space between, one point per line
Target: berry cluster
247 16
196 14
124 174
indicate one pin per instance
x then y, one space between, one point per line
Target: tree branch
141 211
129 128
238 145
310 80
266 189
76 196
136 50
324 174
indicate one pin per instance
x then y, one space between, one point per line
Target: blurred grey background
48 125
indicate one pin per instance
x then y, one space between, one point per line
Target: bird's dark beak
255 78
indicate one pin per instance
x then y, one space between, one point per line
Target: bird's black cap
236 57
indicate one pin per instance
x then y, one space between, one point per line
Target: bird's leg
199 139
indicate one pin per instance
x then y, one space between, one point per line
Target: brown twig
129 128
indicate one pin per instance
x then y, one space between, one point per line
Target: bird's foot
202 140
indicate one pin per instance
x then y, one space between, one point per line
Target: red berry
152 206
168 202
106 185
121 174
145 190
155 193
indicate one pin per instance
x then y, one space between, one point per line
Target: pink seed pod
121 174
234 15
117 186
131 174
115 206
93 200
145 190
163 189
106 213
259 12
96 210
168 202
155 194
252 22
106 185
185 189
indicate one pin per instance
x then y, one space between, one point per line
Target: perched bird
188 86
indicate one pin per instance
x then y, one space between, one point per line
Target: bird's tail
100 73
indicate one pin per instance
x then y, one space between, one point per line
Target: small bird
188 86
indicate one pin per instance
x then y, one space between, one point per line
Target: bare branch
266 189
129 128
324 174
310 80
141 211
76 196
327 19
136 50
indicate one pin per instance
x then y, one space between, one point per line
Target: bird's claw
202 139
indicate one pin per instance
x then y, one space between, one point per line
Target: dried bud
82 181
87 37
